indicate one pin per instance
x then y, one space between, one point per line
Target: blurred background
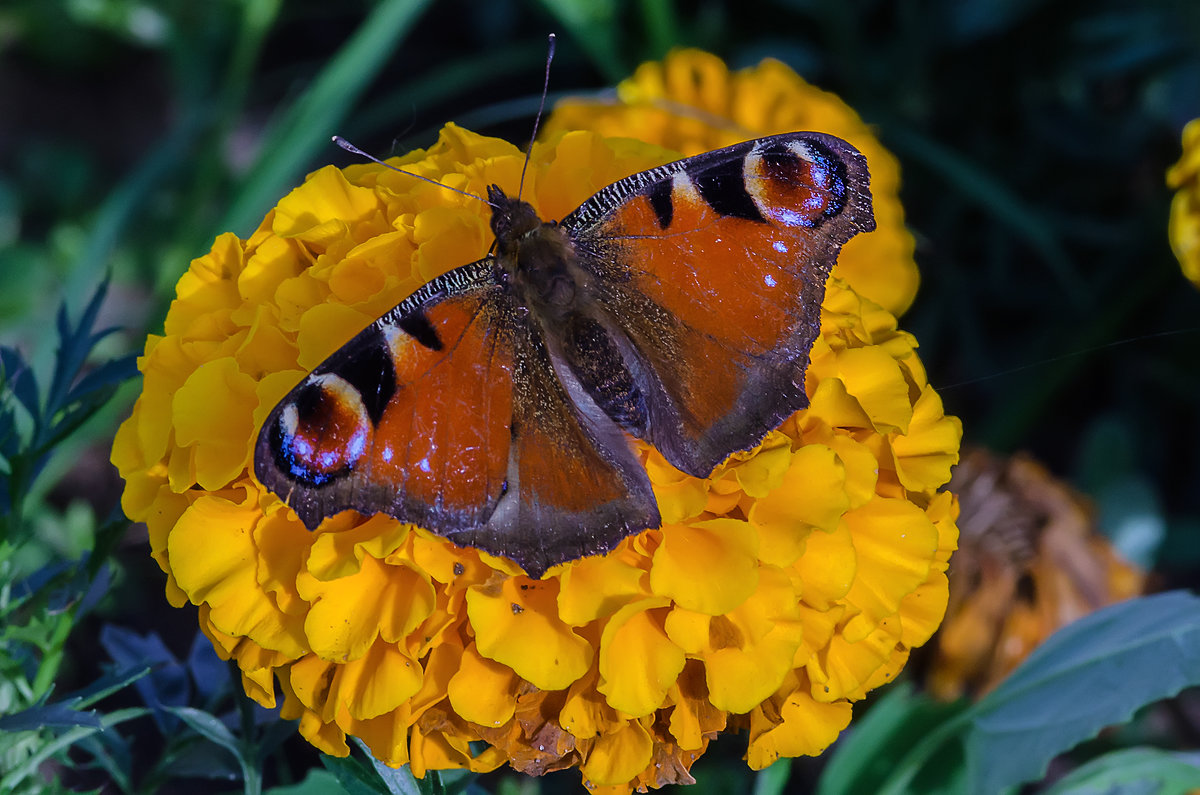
1033 136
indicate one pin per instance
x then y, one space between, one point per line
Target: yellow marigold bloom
780 589
691 103
1184 226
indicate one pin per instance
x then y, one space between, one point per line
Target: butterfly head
512 220
537 256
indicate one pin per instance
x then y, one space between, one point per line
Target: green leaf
400 780
875 747
52 716
29 765
16 376
354 775
1089 675
1133 771
212 729
106 685
592 23
309 123
773 780
317 782
110 752
207 726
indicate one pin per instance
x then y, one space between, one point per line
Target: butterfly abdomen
596 360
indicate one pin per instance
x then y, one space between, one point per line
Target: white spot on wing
683 189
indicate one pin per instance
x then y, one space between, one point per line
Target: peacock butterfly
494 406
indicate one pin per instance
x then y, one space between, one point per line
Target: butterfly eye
322 432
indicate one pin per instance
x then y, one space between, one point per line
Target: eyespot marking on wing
371 373
323 432
796 183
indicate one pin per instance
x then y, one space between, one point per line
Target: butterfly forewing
369 427
713 269
446 412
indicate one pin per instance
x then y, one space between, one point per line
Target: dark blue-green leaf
17 376
51 716
1133 771
107 684
208 726
400 780
354 775
1091 674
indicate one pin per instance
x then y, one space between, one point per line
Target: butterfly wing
710 275
447 413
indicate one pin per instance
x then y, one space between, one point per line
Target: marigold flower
1184 226
691 102
788 584
1030 562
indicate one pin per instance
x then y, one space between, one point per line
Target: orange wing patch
443 438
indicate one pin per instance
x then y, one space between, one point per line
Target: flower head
691 102
1030 561
780 589
1184 228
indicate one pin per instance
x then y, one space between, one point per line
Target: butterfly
494 406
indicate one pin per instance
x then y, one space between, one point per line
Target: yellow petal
319 211
768 627
925 454
212 413
619 755
349 613
212 555
483 691
596 587
874 379
324 329
376 683
638 662
805 728
688 630
518 626
829 566
710 566
812 493
764 470
894 543
338 553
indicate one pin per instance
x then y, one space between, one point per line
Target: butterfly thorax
536 257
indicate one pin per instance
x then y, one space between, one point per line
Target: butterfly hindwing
711 272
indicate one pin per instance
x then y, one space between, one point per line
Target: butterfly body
494 406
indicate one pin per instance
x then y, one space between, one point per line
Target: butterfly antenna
541 107
349 147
